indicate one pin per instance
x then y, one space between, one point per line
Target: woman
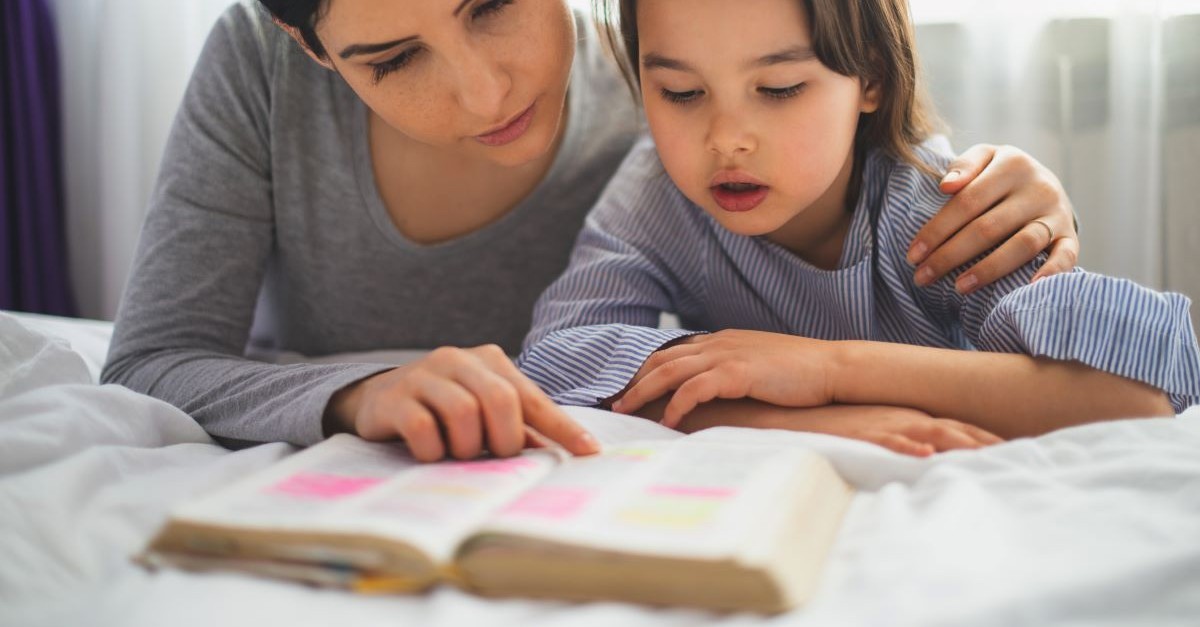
416 182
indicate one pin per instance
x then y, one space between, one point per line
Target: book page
613 428
348 485
694 499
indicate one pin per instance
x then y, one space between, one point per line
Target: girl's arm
1010 395
1007 394
901 429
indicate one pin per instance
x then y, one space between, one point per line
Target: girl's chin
742 224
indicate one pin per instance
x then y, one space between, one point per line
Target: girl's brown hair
869 39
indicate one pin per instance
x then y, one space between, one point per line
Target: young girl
788 180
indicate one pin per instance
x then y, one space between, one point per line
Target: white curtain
1105 92
125 64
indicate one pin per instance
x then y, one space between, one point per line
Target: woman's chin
534 146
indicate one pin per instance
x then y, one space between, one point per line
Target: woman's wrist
342 408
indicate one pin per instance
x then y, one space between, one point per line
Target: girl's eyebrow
654 61
795 54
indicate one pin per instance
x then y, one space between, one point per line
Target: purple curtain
33 252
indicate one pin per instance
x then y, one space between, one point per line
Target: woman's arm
186 313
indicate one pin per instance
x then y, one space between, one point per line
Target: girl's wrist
848 366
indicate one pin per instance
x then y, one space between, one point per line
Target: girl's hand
903 430
1004 197
780 369
463 400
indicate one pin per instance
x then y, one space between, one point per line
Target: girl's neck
818 233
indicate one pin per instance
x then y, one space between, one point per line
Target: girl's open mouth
739 196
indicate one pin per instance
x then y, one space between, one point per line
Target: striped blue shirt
646 249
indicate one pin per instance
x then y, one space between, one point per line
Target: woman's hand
785 370
461 400
1002 197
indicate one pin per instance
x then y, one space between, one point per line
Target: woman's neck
436 194
818 233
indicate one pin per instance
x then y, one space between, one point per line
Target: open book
704 520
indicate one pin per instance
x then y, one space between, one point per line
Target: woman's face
488 77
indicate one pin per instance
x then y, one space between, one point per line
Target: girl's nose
483 85
728 135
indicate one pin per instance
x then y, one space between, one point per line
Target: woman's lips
737 191
510 132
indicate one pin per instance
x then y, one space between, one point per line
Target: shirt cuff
588 365
1109 324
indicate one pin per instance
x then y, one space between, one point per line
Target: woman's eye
782 93
383 68
490 8
681 97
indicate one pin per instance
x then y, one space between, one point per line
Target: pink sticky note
322 486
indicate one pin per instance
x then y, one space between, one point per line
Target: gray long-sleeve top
266 216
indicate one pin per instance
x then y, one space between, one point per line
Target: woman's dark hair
870 39
301 15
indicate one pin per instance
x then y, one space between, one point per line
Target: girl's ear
294 33
872 95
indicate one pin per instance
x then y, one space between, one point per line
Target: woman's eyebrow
358 49
354 50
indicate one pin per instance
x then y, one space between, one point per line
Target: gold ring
1049 231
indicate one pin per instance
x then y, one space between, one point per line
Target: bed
1094 525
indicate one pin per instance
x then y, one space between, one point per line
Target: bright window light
925 11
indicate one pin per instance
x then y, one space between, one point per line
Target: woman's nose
483 85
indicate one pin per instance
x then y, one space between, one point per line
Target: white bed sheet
1096 525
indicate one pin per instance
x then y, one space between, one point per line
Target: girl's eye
681 97
490 8
383 68
782 93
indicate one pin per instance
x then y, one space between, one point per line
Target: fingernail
916 254
951 176
966 282
588 442
924 277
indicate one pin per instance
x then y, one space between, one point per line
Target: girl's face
749 124
488 77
